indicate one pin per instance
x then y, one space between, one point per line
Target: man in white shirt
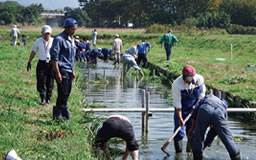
44 70
117 48
187 90
94 37
15 35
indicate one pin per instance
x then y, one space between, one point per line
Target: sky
49 4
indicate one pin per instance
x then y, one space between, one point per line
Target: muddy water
127 93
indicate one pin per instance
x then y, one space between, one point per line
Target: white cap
117 35
46 29
77 37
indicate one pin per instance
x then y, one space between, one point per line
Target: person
142 53
117 126
106 53
187 90
15 35
94 55
63 59
129 61
211 111
169 41
44 70
80 49
94 37
117 48
87 51
24 41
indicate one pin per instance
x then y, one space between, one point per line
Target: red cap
188 71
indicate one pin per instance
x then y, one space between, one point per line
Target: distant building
53 19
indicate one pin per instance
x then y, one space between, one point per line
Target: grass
26 126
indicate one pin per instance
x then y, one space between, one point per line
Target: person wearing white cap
44 70
117 48
15 35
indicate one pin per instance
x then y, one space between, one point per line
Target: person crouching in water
211 111
117 126
129 61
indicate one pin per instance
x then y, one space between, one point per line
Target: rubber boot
56 111
235 157
65 113
197 155
178 146
42 95
48 98
189 144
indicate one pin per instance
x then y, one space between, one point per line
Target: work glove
28 66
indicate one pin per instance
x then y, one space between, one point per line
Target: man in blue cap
63 59
211 111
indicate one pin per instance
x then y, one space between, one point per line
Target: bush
213 19
239 29
190 22
158 28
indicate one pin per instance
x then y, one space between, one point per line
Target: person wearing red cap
187 89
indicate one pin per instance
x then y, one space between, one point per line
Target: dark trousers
142 57
64 89
168 50
45 78
215 116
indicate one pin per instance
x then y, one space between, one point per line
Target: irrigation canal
128 92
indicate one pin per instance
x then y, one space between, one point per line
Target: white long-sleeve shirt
179 85
15 32
117 45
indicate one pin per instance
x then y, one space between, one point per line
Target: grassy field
27 127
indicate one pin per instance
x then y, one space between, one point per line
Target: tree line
12 12
142 13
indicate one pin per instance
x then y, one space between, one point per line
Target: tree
79 14
13 12
243 12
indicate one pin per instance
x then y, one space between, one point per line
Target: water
127 93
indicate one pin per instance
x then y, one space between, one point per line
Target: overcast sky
49 4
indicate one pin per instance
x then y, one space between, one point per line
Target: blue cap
70 22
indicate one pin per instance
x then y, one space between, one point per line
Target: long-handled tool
174 134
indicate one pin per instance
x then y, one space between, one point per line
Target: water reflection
128 92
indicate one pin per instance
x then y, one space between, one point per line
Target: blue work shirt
88 47
63 50
106 51
142 48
